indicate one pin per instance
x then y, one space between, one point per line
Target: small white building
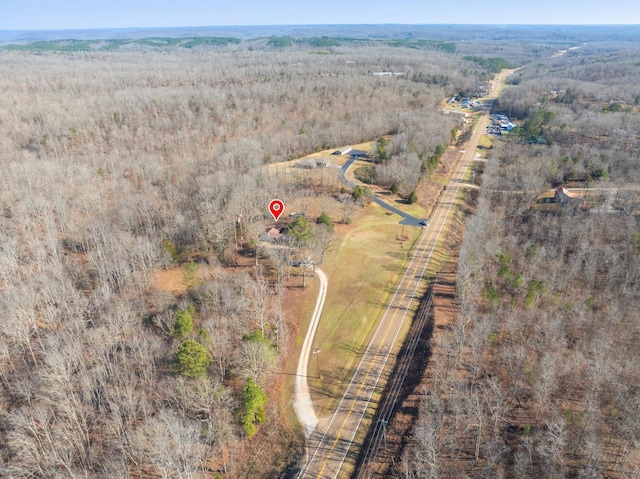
342 151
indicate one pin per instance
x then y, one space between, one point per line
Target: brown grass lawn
485 142
172 280
363 271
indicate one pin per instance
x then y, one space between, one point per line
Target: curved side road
302 400
332 445
407 218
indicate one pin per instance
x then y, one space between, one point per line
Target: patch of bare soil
169 280
172 280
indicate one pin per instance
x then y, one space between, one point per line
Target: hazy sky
63 14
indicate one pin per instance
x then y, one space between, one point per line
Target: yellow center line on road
353 402
418 261
366 376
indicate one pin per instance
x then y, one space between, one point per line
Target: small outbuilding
307 163
323 162
342 151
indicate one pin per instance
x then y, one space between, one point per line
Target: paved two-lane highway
330 445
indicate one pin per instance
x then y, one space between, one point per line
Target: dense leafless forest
115 165
538 375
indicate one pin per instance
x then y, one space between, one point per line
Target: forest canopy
125 158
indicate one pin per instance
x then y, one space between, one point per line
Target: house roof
274 233
342 151
569 194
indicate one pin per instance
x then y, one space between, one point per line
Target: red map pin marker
276 207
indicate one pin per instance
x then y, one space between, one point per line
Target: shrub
364 193
440 149
258 337
324 219
366 174
492 296
171 248
381 150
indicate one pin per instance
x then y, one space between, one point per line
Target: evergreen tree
254 400
324 219
192 359
184 322
300 230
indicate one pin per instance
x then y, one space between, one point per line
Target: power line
379 434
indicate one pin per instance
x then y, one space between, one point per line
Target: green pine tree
300 230
192 359
254 400
184 322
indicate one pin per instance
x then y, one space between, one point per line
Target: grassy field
485 141
468 173
363 271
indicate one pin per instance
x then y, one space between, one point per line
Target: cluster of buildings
321 162
499 125
388 74
465 102
312 163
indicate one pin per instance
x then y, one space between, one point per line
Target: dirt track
302 400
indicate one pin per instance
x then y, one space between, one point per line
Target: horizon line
151 27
